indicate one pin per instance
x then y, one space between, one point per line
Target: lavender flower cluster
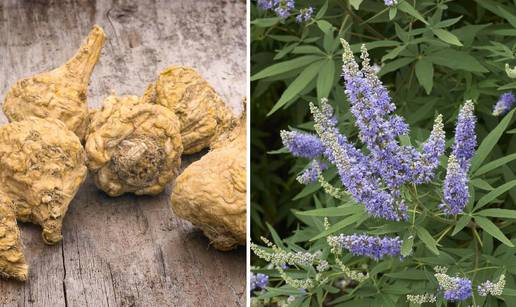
259 281
455 187
390 2
374 179
370 246
284 8
455 288
504 104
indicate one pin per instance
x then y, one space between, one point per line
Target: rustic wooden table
126 251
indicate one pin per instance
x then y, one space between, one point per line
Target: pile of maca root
131 145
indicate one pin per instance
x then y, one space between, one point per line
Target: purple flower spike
465 136
259 281
283 8
311 174
304 14
459 290
302 145
371 246
504 104
455 187
354 168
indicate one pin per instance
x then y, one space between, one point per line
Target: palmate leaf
341 224
427 238
447 37
297 86
346 209
490 141
489 197
325 79
409 9
493 230
456 60
495 164
496 212
286 66
425 74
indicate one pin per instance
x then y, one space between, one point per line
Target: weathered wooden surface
126 251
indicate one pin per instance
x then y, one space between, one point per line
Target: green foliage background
433 56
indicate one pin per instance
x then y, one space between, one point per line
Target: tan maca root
12 260
211 192
203 115
42 166
133 147
60 93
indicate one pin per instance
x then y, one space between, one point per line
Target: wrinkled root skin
60 93
133 147
203 115
43 166
12 260
211 192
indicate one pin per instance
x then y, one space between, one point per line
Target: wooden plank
127 251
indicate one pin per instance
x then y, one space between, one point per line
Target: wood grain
126 251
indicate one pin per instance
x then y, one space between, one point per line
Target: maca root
60 93
12 260
43 166
133 147
211 192
203 115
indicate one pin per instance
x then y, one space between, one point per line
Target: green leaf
265 22
393 53
392 12
497 212
322 10
461 223
324 26
275 237
409 9
495 164
308 49
509 292
355 4
447 37
298 85
456 59
490 141
325 79
511 85
374 45
481 184
406 247
395 65
346 209
448 22
339 225
493 230
486 199
409 274
286 66
427 238
508 16
425 74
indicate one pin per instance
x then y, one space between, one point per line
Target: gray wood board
126 251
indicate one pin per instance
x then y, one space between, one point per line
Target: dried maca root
60 93
42 165
133 147
211 192
12 260
203 115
